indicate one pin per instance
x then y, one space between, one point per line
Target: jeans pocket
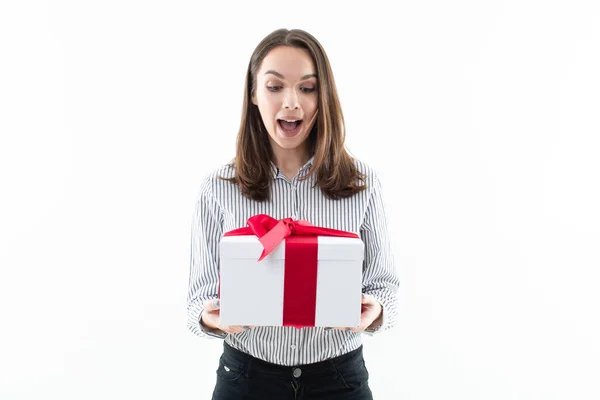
353 376
229 371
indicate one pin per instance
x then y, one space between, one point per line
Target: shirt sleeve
206 232
380 279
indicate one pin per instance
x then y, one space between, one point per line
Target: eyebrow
277 74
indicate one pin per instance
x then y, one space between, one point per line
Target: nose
290 99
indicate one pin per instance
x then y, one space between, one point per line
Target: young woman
291 162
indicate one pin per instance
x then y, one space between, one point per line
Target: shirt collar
309 163
306 166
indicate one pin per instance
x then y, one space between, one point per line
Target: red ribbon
301 260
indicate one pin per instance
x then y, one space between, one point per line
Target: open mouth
290 127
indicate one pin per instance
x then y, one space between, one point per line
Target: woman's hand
212 315
372 313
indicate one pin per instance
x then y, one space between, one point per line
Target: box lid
330 248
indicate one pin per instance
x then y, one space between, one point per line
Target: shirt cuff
381 327
212 333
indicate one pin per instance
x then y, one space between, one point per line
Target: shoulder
212 180
369 172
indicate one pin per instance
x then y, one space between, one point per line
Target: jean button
297 372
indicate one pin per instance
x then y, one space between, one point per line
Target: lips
289 126
290 129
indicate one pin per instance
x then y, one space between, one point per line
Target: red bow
271 232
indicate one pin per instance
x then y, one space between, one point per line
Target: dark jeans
243 377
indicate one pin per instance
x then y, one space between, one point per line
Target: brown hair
335 171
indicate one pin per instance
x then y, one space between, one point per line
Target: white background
481 118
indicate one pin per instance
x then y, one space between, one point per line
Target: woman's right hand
211 317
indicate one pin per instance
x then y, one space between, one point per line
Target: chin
287 145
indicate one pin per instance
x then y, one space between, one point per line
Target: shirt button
293 347
297 372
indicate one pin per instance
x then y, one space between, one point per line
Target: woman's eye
304 90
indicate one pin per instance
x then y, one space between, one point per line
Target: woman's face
287 90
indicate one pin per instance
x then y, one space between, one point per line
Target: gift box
290 273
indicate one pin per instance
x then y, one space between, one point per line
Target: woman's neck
289 161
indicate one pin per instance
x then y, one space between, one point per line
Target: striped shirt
221 207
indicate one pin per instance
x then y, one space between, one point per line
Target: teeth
294 120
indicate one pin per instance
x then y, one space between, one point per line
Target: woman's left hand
371 312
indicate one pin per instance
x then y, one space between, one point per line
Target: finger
231 328
209 318
246 328
367 299
330 328
366 320
364 324
212 305
239 328
341 328
360 328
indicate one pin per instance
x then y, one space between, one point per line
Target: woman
291 162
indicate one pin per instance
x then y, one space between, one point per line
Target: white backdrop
480 117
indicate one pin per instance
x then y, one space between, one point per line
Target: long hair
334 169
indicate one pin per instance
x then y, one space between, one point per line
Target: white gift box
252 291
